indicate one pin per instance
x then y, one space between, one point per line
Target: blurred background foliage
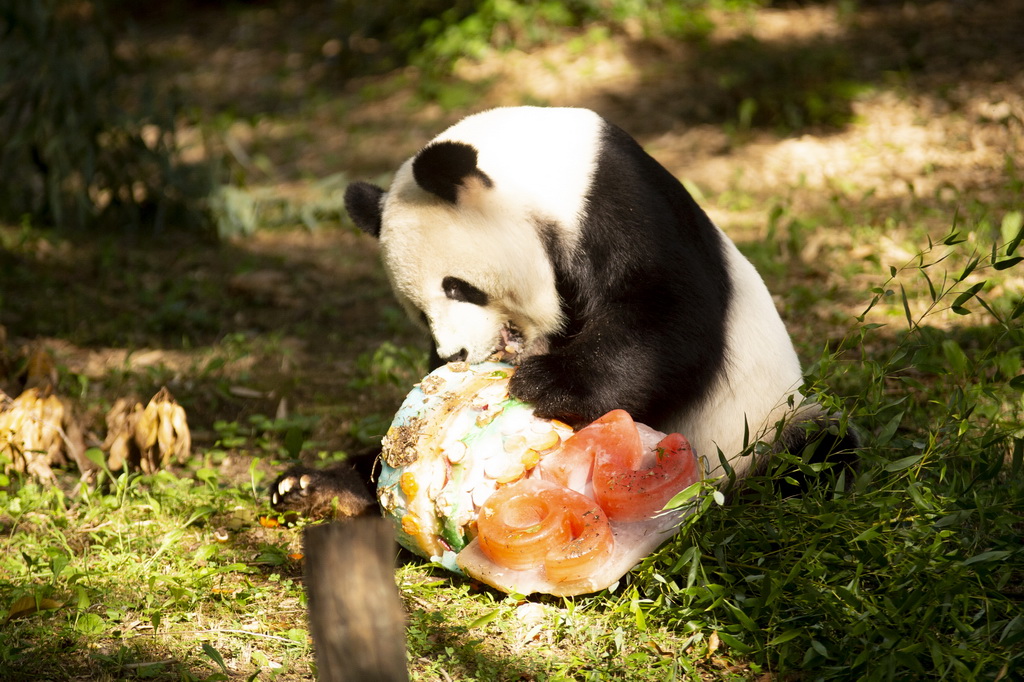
92 133
87 136
432 34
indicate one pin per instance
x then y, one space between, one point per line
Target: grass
282 342
912 567
140 573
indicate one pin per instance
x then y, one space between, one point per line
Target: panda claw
334 492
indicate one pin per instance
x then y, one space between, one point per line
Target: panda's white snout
464 332
460 356
473 355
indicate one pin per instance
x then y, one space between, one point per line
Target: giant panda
553 227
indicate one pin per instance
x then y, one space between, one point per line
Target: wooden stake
355 612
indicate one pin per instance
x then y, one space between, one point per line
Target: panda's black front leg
577 385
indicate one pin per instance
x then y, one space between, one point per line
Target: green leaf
994 555
906 307
953 238
1008 263
1017 382
484 619
200 513
903 463
955 356
1012 230
90 624
215 656
931 287
746 621
207 475
734 643
785 637
869 534
967 295
886 433
96 456
1018 310
969 268
1011 633
205 552
684 496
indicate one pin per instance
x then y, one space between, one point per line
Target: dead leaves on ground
40 429
147 438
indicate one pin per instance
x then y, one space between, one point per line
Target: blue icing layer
418 405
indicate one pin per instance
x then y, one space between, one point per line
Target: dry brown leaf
120 441
162 433
38 430
28 605
713 643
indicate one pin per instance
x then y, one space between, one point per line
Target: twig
218 631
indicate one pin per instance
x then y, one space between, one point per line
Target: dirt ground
871 106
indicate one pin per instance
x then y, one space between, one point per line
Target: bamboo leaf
903 463
1012 230
931 287
953 238
869 534
735 643
684 496
969 268
906 307
886 433
1007 263
215 656
984 557
967 295
785 637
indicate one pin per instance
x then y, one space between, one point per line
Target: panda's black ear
363 203
442 168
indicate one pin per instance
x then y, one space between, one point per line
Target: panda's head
473 227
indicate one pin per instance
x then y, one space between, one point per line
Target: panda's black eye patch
460 290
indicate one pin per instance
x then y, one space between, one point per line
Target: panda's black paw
555 393
336 492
